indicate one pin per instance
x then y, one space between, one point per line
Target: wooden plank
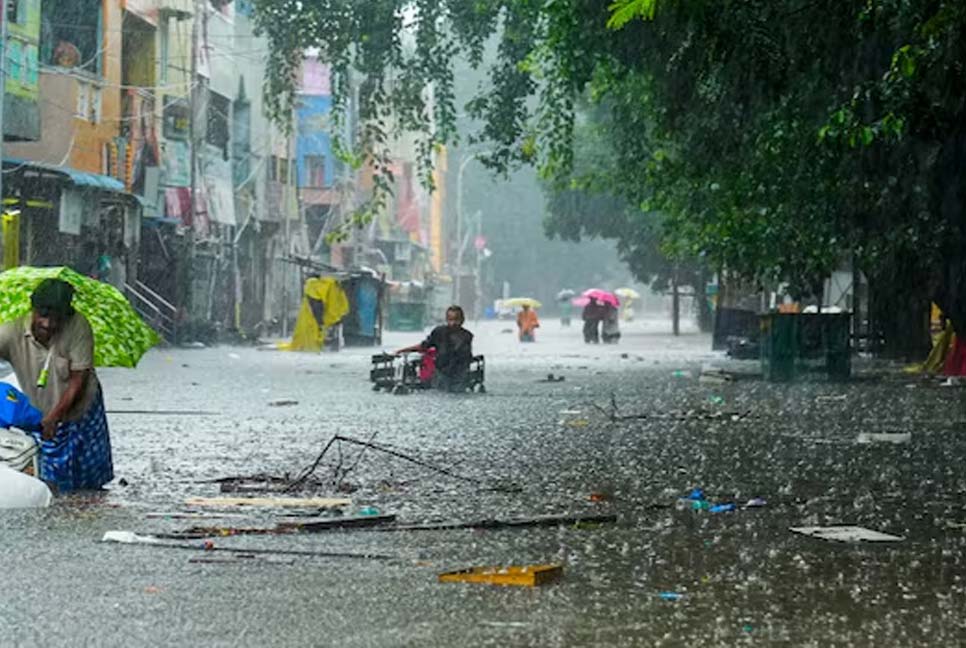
317 525
519 575
269 502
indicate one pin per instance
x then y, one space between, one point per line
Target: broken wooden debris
513 523
518 575
843 533
130 538
313 525
269 502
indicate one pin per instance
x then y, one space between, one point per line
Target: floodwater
745 579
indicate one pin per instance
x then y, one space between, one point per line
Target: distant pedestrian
610 326
593 313
527 323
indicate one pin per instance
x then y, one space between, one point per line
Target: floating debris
517 575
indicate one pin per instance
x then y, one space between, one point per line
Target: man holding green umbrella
52 354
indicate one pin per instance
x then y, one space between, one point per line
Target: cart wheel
481 389
400 390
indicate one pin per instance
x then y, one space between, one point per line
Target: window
273 168
164 37
177 118
70 34
219 109
13 10
283 170
88 105
315 171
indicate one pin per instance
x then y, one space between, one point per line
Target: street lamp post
461 239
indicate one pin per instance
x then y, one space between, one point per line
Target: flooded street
743 577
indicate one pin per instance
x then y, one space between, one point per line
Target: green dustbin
407 316
779 346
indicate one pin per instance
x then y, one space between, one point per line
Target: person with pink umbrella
596 304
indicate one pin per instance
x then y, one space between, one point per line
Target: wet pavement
745 579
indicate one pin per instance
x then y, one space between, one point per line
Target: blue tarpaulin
16 410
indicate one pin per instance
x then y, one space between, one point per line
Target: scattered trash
279 502
884 437
599 497
681 373
577 423
152 589
716 400
696 494
506 331
846 534
571 412
830 397
311 525
283 402
952 381
369 511
129 537
711 375
234 356
699 505
518 575
671 596
755 502
517 523
722 508
19 490
552 379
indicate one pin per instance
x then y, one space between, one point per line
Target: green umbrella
120 335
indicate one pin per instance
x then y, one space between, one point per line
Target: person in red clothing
527 323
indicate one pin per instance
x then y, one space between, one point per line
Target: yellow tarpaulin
942 345
11 240
308 335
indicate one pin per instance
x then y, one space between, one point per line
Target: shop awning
78 178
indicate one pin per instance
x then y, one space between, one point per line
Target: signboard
71 216
177 164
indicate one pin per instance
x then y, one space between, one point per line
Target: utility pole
193 154
3 92
457 280
675 303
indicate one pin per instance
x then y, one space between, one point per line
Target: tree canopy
773 137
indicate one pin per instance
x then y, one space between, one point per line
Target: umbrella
514 302
565 294
120 335
602 296
627 293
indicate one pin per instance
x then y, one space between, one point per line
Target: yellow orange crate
519 575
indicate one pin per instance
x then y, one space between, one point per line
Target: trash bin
837 334
790 340
779 346
407 316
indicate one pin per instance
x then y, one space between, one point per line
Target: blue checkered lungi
79 456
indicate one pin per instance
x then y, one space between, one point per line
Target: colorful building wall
81 109
21 120
314 142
